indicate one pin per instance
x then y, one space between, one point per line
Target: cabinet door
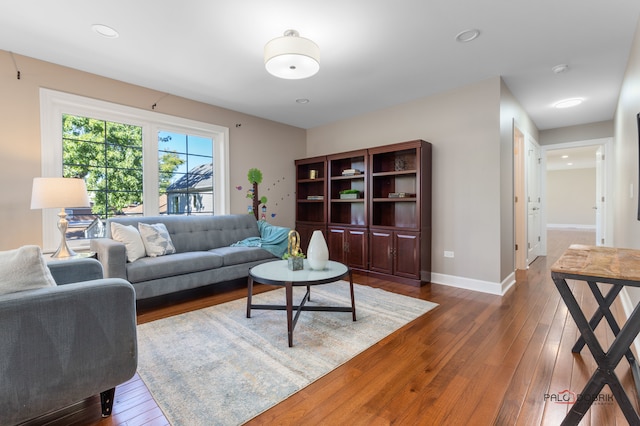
336 243
305 232
407 254
356 248
381 251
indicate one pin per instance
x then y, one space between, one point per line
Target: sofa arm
63 344
112 255
75 270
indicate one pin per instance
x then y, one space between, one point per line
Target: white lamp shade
54 192
292 57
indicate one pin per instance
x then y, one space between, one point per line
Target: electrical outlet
448 253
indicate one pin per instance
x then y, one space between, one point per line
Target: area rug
215 366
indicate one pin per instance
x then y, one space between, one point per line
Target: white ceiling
374 53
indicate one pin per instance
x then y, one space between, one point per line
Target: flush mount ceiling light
467 35
291 56
568 103
105 31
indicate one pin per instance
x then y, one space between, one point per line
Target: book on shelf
351 172
401 195
315 197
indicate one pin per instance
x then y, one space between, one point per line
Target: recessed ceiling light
568 103
302 101
565 156
559 69
569 164
467 35
105 31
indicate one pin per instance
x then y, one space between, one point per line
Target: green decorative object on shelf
255 177
347 194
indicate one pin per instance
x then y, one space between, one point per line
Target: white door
534 232
599 201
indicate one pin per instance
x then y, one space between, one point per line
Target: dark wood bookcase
348 214
386 228
311 197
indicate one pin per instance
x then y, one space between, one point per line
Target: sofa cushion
151 268
238 255
130 237
23 269
156 239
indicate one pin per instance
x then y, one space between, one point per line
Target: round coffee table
277 273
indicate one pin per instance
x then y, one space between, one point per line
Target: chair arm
113 256
75 270
63 344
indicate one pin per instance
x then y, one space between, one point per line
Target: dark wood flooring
477 359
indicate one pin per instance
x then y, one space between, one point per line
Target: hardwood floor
476 359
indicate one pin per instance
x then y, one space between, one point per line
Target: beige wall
260 143
571 196
511 114
626 224
464 127
583 132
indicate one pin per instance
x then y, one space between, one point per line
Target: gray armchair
59 345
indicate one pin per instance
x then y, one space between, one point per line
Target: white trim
498 289
570 226
627 307
53 104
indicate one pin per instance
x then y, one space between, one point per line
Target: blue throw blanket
272 238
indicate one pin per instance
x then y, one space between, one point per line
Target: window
185 168
135 162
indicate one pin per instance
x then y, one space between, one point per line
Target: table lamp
55 192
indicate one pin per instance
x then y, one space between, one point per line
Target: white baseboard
570 226
476 285
628 306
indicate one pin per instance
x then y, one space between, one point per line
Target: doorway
577 179
527 198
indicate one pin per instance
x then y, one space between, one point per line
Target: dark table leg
604 304
289 301
607 362
249 294
353 300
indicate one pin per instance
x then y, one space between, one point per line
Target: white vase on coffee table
317 252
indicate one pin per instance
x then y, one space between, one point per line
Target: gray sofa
204 253
66 343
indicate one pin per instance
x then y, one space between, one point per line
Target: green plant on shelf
349 191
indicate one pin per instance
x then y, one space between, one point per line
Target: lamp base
63 250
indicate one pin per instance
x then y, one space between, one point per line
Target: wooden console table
619 268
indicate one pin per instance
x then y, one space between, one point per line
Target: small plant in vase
294 256
349 194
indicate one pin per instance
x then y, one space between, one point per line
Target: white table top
277 272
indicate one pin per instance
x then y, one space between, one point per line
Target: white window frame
54 104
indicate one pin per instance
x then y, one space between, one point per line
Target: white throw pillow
23 268
130 237
156 239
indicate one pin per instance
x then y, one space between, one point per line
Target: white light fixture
467 35
568 103
291 56
105 31
52 192
559 69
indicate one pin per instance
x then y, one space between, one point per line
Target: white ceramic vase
317 252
